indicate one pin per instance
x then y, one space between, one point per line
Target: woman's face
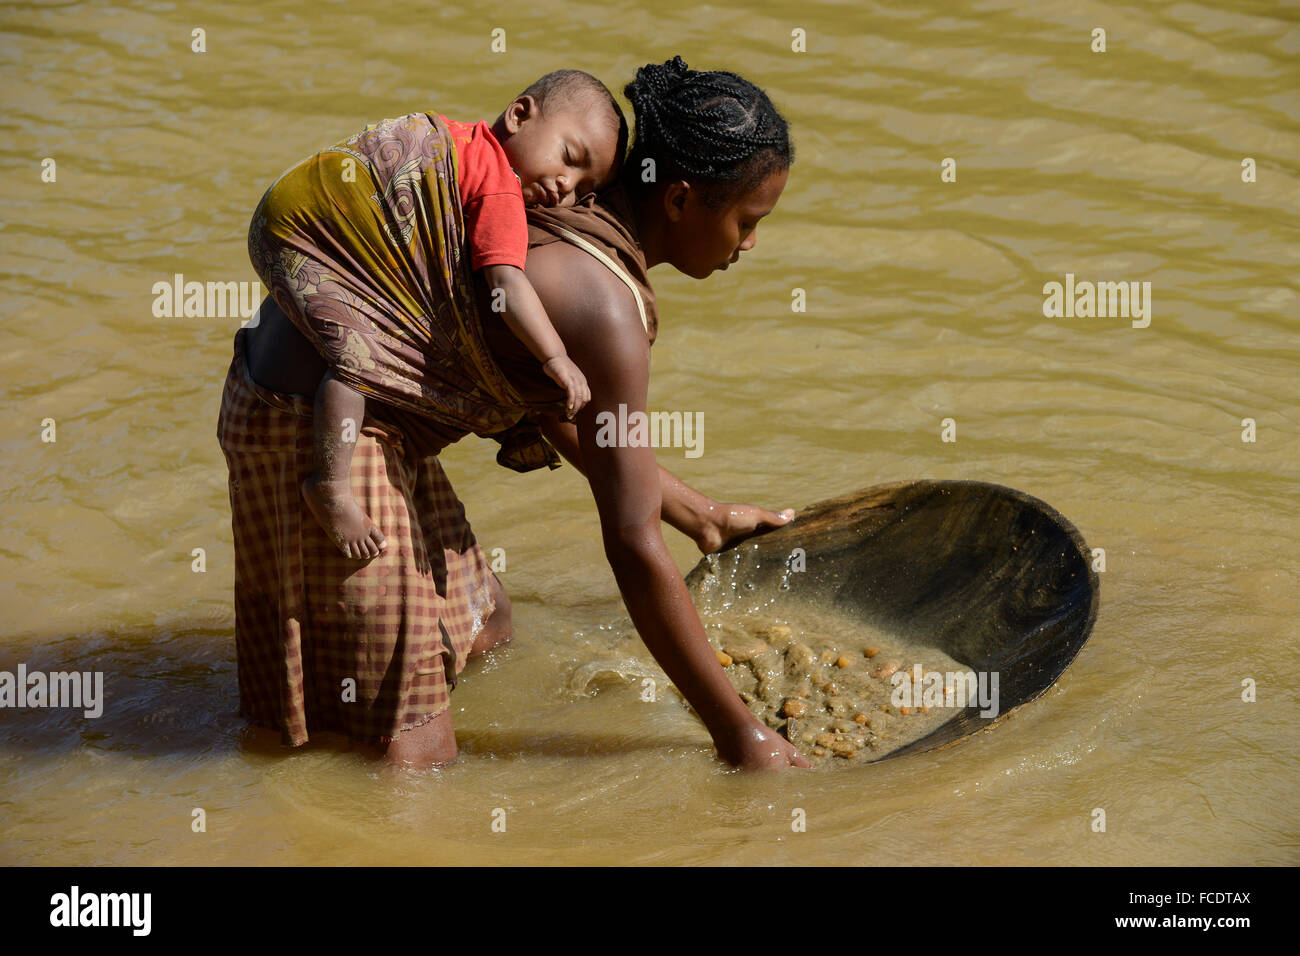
701 240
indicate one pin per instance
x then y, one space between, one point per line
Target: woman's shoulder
578 291
593 312
600 229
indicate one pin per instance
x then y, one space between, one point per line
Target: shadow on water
169 693
991 576
165 692
514 745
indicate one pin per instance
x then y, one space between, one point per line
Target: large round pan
992 576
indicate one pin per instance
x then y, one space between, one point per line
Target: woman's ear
676 196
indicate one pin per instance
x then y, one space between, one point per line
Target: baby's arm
527 319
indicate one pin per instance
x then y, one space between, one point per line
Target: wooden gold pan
992 576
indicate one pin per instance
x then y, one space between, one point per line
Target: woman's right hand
755 746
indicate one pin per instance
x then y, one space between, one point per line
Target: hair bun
677 69
656 81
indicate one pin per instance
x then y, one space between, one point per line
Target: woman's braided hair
713 129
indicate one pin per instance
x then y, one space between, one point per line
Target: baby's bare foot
342 518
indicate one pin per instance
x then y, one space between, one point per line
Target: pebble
767 666
871 651
743 647
799 658
844 661
860 718
776 633
724 658
885 670
794 708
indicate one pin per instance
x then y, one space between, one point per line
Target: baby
557 141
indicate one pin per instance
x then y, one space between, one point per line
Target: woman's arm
595 316
710 524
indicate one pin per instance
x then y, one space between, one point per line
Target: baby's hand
567 375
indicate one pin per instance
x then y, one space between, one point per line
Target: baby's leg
328 491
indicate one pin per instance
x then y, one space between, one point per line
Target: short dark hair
711 128
561 90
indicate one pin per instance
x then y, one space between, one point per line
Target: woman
326 645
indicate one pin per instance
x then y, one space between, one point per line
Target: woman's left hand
730 523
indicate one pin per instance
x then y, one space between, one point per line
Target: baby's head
565 136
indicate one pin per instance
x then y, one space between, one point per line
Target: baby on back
560 139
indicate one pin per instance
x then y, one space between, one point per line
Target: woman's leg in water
434 743
499 627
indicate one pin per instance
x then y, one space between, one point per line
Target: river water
924 301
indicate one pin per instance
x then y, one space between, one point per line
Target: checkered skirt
328 643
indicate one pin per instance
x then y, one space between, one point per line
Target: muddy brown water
924 302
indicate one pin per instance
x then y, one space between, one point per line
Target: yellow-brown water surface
924 301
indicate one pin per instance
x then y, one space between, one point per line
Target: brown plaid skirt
324 642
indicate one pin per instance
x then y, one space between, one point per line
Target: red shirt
491 197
